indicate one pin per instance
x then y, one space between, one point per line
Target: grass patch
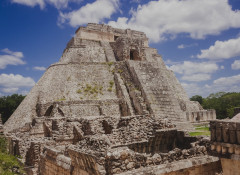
61 99
207 133
9 164
201 131
204 128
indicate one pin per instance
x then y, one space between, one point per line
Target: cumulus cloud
10 58
163 18
236 65
196 77
94 12
31 3
188 67
223 81
192 89
223 84
39 68
193 71
15 81
222 50
10 90
59 4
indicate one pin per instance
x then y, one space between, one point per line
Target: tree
8 104
197 98
224 103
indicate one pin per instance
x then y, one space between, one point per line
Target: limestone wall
225 143
94 35
230 167
200 116
158 94
53 162
203 165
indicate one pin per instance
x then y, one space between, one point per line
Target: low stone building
109 106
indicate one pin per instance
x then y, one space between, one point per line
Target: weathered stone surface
109 106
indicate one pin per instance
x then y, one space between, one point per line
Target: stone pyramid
110 94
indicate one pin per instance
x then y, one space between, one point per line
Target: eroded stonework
109 106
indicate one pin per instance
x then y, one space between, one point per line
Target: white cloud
222 67
9 90
192 89
39 68
31 3
10 58
15 81
222 50
189 68
196 77
224 84
59 4
163 18
193 71
236 65
94 12
183 46
229 81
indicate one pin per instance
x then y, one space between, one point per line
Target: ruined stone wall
54 162
225 143
205 169
204 165
230 166
86 51
94 35
200 116
158 94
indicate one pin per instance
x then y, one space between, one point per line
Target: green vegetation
111 83
61 99
224 103
109 63
79 91
91 90
8 105
9 164
120 70
201 131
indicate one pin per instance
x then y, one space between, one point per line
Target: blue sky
198 40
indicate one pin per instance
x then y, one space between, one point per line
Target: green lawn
201 131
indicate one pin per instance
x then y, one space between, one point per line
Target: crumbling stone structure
109 106
225 143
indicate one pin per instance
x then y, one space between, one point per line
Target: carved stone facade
225 143
109 106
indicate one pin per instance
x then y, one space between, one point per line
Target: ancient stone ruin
225 143
109 106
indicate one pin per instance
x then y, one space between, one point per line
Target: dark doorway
115 37
134 55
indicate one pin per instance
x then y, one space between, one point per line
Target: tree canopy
8 105
224 103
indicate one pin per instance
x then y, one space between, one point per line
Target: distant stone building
109 106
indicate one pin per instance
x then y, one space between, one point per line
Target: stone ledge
174 166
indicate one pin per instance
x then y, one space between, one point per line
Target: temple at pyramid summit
109 106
